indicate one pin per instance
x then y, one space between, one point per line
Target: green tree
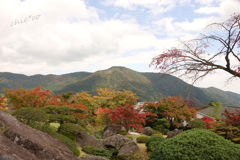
30 115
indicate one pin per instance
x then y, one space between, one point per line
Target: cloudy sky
63 36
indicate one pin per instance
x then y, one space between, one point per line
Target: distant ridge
148 86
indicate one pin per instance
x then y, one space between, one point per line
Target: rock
92 157
173 133
123 144
116 141
11 151
111 130
128 148
147 131
29 141
84 139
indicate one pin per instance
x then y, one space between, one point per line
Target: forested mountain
147 86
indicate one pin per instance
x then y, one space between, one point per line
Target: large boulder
123 144
147 131
111 130
173 133
84 139
11 151
30 142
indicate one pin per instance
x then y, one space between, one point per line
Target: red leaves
232 119
208 121
127 116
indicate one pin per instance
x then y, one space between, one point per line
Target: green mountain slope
147 86
51 82
117 78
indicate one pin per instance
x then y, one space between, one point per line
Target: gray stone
31 141
173 133
111 130
147 131
128 148
123 144
84 139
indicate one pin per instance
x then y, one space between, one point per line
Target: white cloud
225 8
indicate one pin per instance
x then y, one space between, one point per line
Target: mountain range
148 86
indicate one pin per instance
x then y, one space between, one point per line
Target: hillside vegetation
147 86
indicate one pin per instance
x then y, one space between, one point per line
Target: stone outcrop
147 131
124 144
27 142
111 130
173 133
84 139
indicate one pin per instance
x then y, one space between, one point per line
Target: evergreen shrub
153 142
142 139
123 132
98 152
196 144
198 123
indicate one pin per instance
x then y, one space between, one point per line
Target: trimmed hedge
153 142
123 132
99 152
196 144
198 123
142 139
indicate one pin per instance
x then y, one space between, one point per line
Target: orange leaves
127 116
173 109
28 98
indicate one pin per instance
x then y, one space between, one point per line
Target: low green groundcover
196 144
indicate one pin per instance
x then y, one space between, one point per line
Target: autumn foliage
127 116
209 122
232 119
175 109
193 59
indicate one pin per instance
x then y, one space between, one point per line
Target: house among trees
209 111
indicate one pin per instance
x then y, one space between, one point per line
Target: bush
138 155
153 142
98 152
198 123
123 132
162 125
142 139
196 144
71 128
30 115
130 137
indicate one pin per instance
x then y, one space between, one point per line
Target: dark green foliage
123 132
30 115
71 128
58 118
196 144
162 125
99 152
142 139
198 123
64 110
153 142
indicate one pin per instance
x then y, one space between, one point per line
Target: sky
64 36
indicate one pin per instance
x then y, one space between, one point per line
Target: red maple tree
127 116
192 58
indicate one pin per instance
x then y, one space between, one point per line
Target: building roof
209 110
